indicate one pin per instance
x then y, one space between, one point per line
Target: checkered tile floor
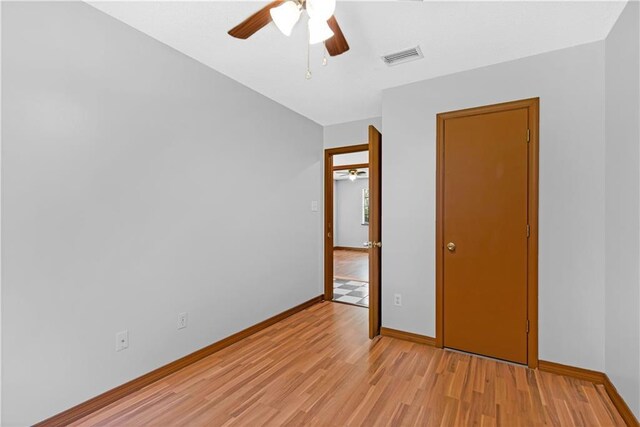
351 292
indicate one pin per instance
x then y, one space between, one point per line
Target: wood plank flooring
351 265
318 367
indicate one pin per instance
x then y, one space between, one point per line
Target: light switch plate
314 206
182 320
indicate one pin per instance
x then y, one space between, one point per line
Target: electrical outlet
397 300
122 340
182 320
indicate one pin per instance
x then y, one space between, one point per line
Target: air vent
403 56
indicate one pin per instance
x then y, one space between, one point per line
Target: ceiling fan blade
337 44
252 24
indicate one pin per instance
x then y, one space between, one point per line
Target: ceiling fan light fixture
319 31
286 16
321 9
353 174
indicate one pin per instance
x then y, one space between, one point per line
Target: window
365 206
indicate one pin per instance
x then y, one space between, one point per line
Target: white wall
350 133
356 158
570 84
128 196
348 230
0 218
622 189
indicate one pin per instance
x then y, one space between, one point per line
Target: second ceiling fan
322 25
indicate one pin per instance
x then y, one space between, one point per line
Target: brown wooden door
375 229
485 216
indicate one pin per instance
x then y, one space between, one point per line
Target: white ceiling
454 36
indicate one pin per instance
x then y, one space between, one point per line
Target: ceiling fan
353 174
322 25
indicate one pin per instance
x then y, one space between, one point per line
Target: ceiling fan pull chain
308 76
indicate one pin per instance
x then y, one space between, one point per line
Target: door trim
347 167
532 105
328 212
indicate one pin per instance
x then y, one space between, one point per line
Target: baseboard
407 336
620 404
82 410
571 371
348 248
355 279
597 378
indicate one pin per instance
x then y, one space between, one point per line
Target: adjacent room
310 212
351 228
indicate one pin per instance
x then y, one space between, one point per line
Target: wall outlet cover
122 340
397 300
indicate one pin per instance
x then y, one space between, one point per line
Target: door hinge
528 230
528 135
527 326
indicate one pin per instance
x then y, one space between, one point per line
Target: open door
375 230
374 244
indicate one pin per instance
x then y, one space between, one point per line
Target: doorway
352 227
486 238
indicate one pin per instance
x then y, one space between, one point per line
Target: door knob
451 246
367 244
377 244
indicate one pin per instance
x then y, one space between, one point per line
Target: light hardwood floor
351 265
318 367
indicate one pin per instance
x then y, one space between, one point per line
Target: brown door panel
485 216
375 230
